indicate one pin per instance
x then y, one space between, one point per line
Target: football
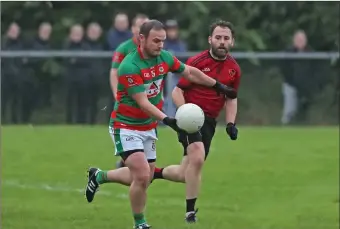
190 117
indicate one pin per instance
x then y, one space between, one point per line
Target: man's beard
219 52
150 53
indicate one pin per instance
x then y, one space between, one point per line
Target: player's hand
232 131
226 90
172 123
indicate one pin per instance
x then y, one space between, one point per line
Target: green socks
101 177
139 219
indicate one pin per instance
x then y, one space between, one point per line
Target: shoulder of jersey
127 42
130 57
233 60
199 57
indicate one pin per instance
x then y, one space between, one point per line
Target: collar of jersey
140 53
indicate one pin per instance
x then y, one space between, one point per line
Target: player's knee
196 154
197 161
143 178
139 169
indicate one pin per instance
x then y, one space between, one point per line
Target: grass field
270 178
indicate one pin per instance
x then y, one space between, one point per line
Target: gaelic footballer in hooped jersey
135 75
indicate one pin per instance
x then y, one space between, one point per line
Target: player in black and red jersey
220 65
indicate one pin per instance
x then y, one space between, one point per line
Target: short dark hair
139 16
149 25
223 24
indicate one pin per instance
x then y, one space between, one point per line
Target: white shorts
128 141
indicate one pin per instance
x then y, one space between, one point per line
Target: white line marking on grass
56 188
47 187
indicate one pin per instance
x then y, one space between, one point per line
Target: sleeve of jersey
183 83
129 77
177 66
117 57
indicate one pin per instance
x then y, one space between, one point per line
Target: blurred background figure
41 66
15 95
174 44
119 32
97 71
298 76
77 77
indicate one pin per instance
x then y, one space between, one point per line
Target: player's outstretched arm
198 77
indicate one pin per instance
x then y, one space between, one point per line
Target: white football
190 117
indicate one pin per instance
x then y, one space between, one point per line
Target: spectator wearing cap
173 44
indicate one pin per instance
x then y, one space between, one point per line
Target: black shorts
205 135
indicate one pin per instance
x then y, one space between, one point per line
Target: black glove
232 131
171 122
226 90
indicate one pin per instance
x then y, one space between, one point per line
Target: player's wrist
216 85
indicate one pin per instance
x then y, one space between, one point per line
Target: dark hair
139 16
223 24
149 25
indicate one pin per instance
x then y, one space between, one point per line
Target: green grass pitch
270 178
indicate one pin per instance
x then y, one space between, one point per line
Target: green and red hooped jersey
135 75
122 51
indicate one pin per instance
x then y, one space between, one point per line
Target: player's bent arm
177 97
114 81
196 76
143 102
231 110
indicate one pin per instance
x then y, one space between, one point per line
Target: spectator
173 44
96 70
14 93
41 66
120 31
298 82
77 77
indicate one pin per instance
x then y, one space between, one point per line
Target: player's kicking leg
189 172
196 149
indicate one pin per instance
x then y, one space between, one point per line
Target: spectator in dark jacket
41 67
120 31
97 70
16 82
299 81
77 77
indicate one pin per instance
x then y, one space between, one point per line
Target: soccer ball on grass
190 117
